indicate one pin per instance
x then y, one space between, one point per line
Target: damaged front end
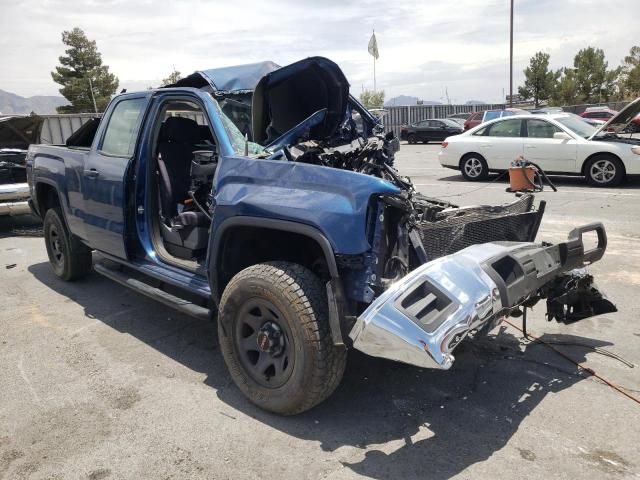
436 272
429 273
421 318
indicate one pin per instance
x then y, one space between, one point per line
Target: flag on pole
373 46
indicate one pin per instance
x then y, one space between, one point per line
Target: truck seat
178 140
184 233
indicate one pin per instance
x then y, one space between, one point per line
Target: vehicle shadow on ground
559 181
386 420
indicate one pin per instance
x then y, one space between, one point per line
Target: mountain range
41 104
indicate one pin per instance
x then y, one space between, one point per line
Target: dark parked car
430 130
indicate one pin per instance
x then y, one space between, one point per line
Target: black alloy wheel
264 342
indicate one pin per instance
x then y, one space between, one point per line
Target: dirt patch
99 474
606 461
8 457
125 398
527 454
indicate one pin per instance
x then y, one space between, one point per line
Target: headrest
180 130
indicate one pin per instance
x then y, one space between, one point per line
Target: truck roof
236 78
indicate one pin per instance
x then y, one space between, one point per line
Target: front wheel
604 171
474 167
274 336
69 257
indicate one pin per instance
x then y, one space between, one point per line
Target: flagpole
374 68
374 74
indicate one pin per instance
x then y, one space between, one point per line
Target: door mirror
561 136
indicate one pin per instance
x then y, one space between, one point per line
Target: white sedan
558 143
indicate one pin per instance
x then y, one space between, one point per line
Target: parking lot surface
98 382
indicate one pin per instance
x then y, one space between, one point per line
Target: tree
372 99
594 82
631 72
171 79
565 90
539 80
80 71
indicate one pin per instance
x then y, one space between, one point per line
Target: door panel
553 155
104 178
422 131
502 143
437 132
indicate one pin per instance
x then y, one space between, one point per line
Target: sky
425 47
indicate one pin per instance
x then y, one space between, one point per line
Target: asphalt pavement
98 382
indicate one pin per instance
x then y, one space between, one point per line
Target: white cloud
424 46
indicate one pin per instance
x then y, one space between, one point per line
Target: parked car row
430 130
559 143
594 116
484 116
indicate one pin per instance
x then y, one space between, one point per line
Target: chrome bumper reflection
14 199
420 319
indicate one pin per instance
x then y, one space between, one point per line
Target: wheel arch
266 239
464 156
583 169
47 196
235 232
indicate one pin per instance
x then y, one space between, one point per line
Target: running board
161 296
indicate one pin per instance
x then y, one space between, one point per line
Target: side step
180 304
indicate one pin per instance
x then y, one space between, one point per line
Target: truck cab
252 195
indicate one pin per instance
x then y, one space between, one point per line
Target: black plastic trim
286 226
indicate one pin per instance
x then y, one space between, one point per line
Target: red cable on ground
579 365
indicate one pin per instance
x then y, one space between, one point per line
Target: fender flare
272 224
50 183
335 291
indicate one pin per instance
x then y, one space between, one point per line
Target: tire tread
304 291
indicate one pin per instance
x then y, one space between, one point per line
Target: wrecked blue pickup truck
267 196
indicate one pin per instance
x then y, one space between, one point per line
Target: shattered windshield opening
236 137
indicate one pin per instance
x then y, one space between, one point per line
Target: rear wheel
604 171
412 139
274 336
69 257
474 167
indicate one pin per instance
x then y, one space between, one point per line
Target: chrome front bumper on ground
420 319
14 199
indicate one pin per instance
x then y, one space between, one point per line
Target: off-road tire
70 258
604 161
300 296
480 165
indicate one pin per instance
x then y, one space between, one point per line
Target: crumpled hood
282 98
620 121
287 96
